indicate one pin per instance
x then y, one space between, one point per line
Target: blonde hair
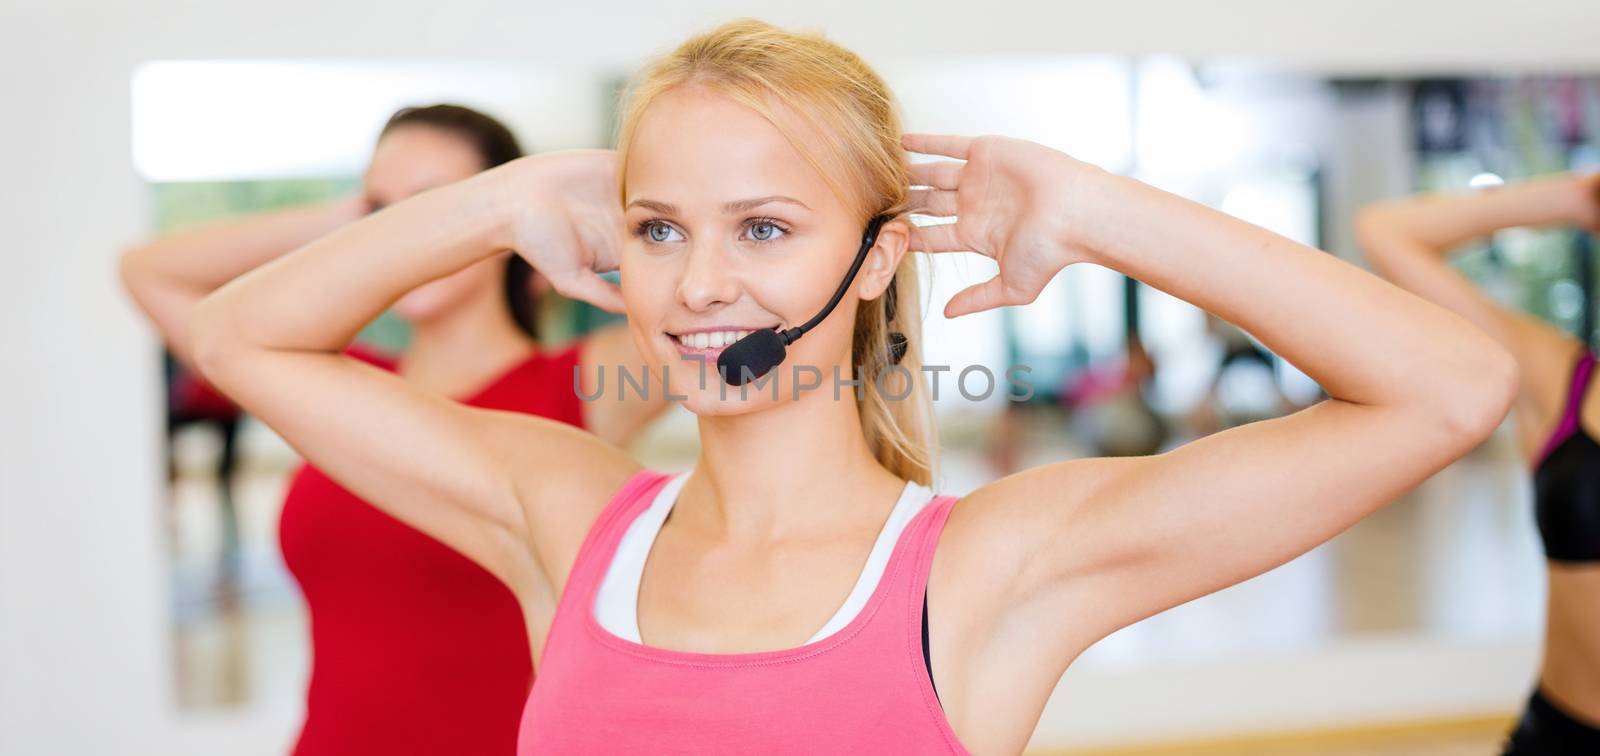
849 111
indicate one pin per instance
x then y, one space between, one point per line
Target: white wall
84 660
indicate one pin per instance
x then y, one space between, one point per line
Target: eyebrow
737 206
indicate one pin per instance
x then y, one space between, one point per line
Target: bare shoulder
994 532
992 613
564 478
1545 358
1545 353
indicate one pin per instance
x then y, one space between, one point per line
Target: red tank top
415 649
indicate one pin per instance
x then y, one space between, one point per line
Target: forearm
167 276
1364 340
205 258
1438 223
319 296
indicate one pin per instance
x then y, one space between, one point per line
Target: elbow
215 345
1484 391
1374 226
132 270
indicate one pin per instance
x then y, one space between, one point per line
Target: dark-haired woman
415 649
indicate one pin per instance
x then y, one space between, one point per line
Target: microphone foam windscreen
751 357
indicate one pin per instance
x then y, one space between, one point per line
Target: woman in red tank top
415 648
764 181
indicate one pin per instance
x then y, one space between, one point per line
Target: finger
590 287
937 144
937 238
935 202
979 297
944 174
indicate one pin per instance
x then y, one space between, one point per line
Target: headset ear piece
897 340
897 347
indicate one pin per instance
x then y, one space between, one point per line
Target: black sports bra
1567 481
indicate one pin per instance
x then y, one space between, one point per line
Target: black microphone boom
756 355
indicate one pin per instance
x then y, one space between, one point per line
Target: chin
704 393
711 402
711 397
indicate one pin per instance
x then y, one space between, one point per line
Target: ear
883 259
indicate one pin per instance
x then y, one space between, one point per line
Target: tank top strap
922 538
922 535
600 546
1582 375
906 581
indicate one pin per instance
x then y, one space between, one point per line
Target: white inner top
616 605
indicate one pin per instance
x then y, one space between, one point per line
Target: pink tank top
863 689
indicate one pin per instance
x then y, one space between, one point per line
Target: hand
563 216
1009 200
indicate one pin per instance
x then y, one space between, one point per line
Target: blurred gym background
143 604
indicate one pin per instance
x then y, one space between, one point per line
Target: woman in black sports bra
1557 421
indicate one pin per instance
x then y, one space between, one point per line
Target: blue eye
765 231
661 233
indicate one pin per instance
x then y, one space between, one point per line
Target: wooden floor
1454 738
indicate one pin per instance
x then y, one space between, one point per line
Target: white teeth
711 339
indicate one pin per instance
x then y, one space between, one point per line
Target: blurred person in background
1245 387
415 649
702 611
1112 402
1556 424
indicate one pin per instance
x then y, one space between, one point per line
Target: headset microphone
756 355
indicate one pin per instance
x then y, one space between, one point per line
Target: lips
708 343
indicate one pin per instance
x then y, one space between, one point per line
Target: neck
799 468
457 351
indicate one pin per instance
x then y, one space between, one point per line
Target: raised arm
167 276
1063 554
1409 241
513 492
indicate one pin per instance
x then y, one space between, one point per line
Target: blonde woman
1556 413
801 589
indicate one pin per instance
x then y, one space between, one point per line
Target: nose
709 278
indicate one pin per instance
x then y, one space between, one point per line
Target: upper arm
1089 546
513 493
618 412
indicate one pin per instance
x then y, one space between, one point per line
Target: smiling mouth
708 341
707 344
